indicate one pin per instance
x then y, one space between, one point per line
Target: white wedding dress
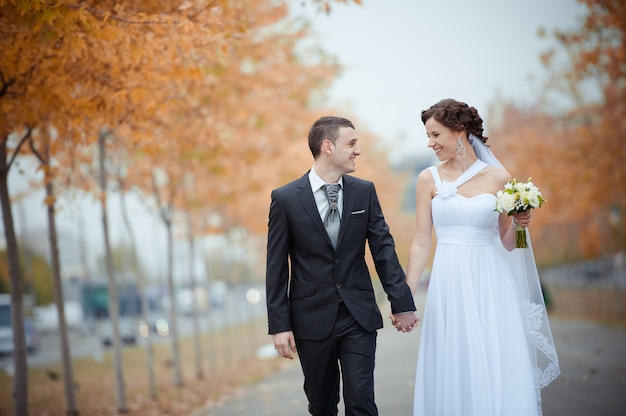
473 354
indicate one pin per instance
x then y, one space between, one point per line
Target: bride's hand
395 323
522 218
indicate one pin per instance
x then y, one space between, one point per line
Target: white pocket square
357 212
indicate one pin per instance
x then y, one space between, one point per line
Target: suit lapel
349 195
305 194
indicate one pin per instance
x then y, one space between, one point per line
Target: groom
320 296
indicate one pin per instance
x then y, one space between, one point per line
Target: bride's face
441 139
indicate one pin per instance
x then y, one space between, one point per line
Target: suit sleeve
277 268
388 267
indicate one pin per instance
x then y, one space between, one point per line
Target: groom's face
345 150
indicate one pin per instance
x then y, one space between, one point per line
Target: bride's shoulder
427 173
498 175
425 179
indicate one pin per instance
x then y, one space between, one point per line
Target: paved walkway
592 382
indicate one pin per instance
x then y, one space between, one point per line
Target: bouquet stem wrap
520 237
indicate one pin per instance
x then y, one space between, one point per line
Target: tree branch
6 84
23 140
193 16
33 149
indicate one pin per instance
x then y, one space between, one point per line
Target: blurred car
6 329
47 317
128 328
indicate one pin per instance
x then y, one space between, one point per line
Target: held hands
285 344
404 322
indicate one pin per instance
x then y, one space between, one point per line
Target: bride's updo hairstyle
457 116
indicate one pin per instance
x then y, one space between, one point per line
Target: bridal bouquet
517 197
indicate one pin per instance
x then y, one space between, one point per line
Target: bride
486 347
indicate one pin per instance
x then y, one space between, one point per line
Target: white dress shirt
320 196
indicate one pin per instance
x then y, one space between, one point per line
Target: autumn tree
43 155
572 142
8 154
52 81
210 90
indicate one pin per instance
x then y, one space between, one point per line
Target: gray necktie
332 219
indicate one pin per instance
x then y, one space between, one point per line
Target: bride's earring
460 148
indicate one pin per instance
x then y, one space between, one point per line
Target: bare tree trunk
178 379
211 321
193 286
82 246
120 388
68 373
218 357
140 282
66 357
20 380
166 212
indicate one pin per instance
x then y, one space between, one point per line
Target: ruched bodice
461 220
457 210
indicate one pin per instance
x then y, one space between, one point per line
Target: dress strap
435 172
465 176
470 173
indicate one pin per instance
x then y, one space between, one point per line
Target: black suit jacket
306 277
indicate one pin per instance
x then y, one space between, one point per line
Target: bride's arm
507 231
507 227
420 247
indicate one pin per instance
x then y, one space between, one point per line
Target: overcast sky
402 56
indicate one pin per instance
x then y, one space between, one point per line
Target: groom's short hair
326 127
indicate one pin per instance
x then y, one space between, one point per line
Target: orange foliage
576 157
206 92
580 174
206 103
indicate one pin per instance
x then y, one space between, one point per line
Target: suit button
336 261
338 286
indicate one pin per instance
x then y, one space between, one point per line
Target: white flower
524 196
446 190
533 200
517 197
531 196
505 201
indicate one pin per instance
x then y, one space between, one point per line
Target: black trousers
351 348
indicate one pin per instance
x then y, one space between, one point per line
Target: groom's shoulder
357 181
293 185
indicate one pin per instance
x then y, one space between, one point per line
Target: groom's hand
285 344
404 322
